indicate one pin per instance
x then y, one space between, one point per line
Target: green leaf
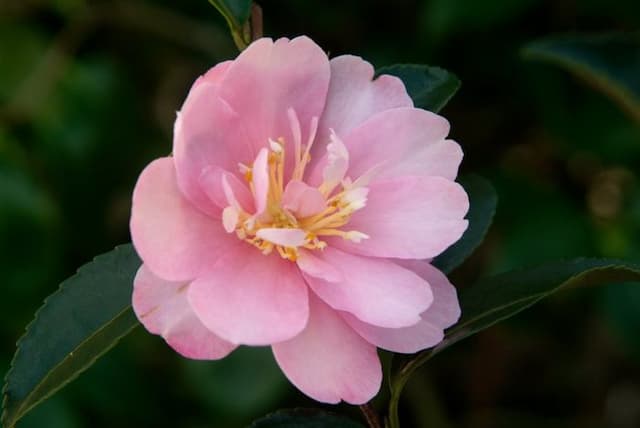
304 418
482 207
430 88
76 325
610 62
499 297
236 13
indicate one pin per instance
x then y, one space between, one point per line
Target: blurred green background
88 94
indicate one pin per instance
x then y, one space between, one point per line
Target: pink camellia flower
299 210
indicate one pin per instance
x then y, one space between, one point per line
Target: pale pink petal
328 361
213 76
252 299
354 96
405 340
261 180
174 239
212 183
440 159
409 218
269 78
377 291
398 142
162 307
303 200
207 133
429 331
337 162
445 310
318 268
285 237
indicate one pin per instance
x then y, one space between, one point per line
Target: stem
371 416
400 381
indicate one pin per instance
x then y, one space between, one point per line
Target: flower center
294 215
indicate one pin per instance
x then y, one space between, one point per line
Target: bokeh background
88 95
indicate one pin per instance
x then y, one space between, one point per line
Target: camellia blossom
300 209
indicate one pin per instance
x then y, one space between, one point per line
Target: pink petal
252 299
328 361
213 76
212 184
318 268
302 199
429 331
207 133
440 159
409 218
162 307
445 310
393 138
174 239
284 237
399 142
268 78
261 180
405 340
377 291
354 96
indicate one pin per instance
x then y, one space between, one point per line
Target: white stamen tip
355 236
276 147
230 219
243 168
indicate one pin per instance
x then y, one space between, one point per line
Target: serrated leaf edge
4 419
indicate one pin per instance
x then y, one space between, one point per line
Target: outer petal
429 331
406 340
399 142
445 310
409 218
328 361
163 309
377 291
174 239
318 268
354 96
252 299
268 78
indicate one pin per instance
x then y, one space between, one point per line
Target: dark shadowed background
88 95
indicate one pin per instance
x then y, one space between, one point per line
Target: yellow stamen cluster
339 209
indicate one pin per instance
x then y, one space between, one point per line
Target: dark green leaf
430 88
499 297
609 62
483 201
304 418
76 325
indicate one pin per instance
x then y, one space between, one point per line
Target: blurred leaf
430 88
499 297
444 17
76 325
622 305
236 12
610 62
304 418
247 382
482 207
